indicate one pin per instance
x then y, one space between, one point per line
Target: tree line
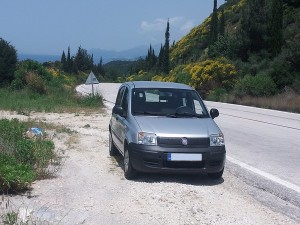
261 28
82 61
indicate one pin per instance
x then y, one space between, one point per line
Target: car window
167 101
124 103
119 96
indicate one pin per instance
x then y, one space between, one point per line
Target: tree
63 61
83 60
150 59
8 61
253 26
160 59
222 23
214 24
100 68
166 55
275 21
69 66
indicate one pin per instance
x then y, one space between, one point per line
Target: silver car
165 127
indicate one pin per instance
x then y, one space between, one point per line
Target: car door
122 120
115 124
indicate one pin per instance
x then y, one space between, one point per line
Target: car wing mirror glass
214 113
118 110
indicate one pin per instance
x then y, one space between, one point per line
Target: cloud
177 24
156 25
154 30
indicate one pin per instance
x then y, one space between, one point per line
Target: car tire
129 172
111 146
217 175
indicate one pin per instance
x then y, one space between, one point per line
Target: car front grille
177 142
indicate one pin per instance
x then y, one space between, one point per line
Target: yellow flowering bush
54 72
211 74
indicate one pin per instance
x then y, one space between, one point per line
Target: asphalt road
266 140
262 144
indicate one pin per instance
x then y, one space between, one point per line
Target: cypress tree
63 61
100 67
69 61
166 55
153 58
150 59
254 24
160 59
92 61
275 21
214 24
222 24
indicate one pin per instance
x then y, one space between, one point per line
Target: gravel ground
90 187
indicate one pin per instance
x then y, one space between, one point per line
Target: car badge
184 141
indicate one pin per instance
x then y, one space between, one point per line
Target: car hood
177 127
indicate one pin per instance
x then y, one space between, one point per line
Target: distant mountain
39 58
125 55
107 55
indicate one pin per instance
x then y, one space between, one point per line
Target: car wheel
112 148
217 175
129 171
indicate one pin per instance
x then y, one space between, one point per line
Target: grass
288 102
22 160
24 101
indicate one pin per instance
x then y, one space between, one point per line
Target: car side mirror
214 113
118 110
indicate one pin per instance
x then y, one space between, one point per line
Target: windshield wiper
147 113
186 114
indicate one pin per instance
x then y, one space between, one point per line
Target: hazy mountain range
107 55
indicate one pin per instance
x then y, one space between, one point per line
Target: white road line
264 174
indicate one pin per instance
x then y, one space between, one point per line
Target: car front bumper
154 159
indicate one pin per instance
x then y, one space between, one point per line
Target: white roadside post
92 80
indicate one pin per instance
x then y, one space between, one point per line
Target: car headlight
147 138
217 140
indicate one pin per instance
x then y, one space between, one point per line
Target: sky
48 27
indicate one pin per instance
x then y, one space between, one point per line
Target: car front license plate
184 157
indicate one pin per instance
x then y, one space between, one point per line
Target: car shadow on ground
191 179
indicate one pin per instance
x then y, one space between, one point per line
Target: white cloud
154 30
177 24
156 25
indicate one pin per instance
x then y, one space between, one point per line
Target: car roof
157 84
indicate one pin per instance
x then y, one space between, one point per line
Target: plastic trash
34 132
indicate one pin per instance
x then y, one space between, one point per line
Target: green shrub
296 84
281 73
20 154
8 61
14 175
219 94
35 83
32 66
259 85
11 218
90 100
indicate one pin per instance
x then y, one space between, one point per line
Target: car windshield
167 102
